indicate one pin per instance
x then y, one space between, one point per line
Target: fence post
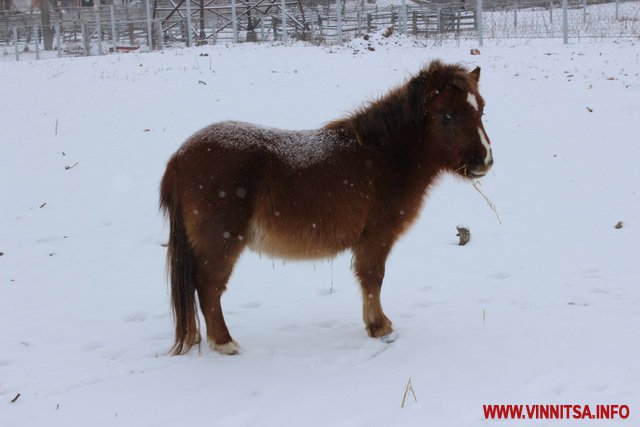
274 27
312 29
160 35
85 39
479 24
565 22
262 31
132 40
414 23
393 16
36 41
99 31
284 21
403 17
149 35
114 36
46 28
234 20
214 29
15 43
339 15
515 14
617 4
189 39
58 27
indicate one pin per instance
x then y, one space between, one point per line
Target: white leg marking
229 348
487 147
471 99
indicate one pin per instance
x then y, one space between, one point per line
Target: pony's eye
447 117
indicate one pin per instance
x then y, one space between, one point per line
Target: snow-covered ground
542 309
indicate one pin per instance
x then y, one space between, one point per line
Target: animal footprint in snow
421 304
253 304
332 324
90 346
136 317
591 273
499 275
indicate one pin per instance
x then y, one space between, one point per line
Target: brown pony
357 183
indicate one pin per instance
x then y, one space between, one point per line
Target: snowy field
543 308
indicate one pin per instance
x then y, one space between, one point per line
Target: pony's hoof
230 348
195 339
389 338
376 331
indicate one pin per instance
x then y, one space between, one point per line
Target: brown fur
233 185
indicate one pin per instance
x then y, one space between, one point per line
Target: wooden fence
166 22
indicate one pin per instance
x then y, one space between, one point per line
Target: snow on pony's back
297 148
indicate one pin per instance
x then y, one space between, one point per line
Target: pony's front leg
370 257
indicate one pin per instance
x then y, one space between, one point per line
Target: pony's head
453 110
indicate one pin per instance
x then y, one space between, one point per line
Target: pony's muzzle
479 167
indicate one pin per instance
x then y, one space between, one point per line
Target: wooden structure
159 23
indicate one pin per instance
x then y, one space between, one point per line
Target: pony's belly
294 244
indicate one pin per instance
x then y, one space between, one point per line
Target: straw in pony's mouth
476 184
468 172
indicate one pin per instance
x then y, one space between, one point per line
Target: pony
355 184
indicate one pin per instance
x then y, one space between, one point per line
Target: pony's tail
180 266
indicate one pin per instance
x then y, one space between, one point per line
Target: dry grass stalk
476 185
406 391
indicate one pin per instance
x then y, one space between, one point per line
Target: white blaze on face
471 99
485 143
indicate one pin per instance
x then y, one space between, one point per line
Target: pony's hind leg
369 264
212 274
217 243
217 201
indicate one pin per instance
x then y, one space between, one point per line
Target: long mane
397 116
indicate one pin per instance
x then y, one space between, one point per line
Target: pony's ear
460 84
475 75
435 80
417 82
